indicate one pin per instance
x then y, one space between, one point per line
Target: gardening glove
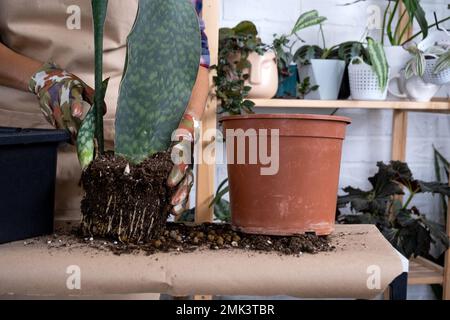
181 175
61 96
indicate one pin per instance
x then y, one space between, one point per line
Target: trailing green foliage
403 225
235 45
162 63
305 87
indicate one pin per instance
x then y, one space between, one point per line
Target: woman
46 51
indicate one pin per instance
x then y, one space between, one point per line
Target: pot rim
287 116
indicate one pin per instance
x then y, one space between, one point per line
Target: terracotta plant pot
300 196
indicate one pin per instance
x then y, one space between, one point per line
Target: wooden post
446 284
205 171
399 135
400 117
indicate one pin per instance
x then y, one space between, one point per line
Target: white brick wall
369 136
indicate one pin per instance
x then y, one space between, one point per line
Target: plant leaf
163 53
416 11
379 62
86 133
306 20
442 63
245 28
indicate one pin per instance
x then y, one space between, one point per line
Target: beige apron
39 29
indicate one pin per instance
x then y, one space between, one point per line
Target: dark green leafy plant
305 87
221 206
235 45
442 164
403 225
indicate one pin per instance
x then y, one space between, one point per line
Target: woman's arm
199 95
16 70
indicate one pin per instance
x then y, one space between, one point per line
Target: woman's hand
64 98
181 175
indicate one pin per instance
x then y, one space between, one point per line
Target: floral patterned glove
181 174
61 96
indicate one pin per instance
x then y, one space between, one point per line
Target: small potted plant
424 73
282 45
437 67
322 68
368 72
283 169
246 62
395 26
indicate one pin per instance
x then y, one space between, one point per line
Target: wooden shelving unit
421 271
438 105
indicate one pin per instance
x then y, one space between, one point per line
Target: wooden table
363 265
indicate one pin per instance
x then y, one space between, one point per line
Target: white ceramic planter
364 82
415 89
440 78
397 58
263 74
327 74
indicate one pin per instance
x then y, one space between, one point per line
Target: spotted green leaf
378 61
86 134
163 57
308 19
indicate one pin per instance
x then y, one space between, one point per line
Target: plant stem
389 25
397 28
384 21
411 196
323 36
99 8
429 27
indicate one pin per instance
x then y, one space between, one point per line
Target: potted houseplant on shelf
398 18
408 230
424 73
368 71
245 61
27 182
322 68
126 192
282 45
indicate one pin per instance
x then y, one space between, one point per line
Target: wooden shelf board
442 105
422 271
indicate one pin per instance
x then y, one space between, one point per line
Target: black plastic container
27 181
